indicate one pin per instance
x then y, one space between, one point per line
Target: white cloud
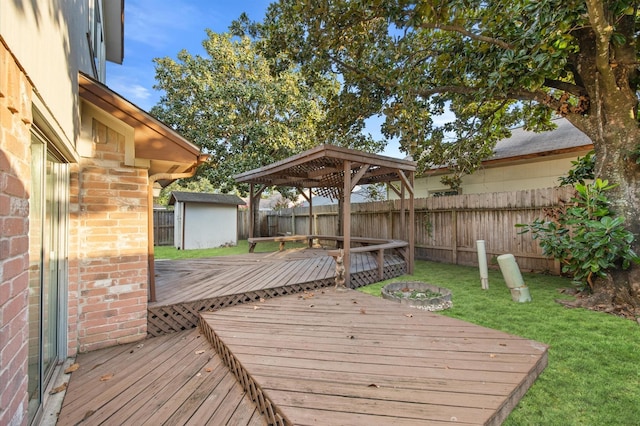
129 88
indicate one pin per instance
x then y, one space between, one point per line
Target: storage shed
204 220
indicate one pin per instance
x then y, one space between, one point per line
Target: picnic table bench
282 239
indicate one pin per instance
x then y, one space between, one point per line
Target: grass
593 376
164 252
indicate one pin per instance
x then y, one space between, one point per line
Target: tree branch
566 87
467 33
603 31
366 76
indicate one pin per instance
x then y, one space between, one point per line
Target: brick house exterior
15 116
78 164
112 264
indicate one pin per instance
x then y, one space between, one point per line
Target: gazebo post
346 222
407 232
309 200
403 212
251 214
310 211
412 224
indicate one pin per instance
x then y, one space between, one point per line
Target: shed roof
205 198
322 167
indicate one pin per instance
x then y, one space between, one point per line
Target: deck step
350 358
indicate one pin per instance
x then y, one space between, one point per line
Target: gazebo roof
322 167
334 171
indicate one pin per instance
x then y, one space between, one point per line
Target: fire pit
419 295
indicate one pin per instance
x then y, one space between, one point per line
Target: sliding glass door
48 223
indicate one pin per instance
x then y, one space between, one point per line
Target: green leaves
581 170
234 105
586 237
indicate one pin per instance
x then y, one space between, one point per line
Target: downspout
150 252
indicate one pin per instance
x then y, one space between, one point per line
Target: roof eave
114 104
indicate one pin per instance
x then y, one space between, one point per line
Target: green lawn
593 376
164 252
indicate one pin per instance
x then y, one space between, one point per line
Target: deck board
186 287
349 358
164 380
320 356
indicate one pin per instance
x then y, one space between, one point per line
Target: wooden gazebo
334 172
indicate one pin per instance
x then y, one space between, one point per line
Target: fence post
454 236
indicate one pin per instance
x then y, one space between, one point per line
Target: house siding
542 172
15 158
59 29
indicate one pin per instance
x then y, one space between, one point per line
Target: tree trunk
615 163
607 72
614 143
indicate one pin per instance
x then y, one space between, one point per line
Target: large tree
231 104
494 64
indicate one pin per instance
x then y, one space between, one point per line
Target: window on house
97 43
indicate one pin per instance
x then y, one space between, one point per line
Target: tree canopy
493 64
231 104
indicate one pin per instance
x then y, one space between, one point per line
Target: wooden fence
163 227
447 228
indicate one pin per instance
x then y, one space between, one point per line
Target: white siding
529 174
208 226
49 40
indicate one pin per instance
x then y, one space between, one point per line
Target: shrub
585 236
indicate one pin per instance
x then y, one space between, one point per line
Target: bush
585 236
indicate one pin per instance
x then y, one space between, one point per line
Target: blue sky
161 28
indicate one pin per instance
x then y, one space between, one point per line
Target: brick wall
15 140
112 240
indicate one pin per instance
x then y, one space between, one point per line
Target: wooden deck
318 357
174 379
184 288
347 358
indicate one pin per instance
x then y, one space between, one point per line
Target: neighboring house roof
525 145
522 143
205 198
359 195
